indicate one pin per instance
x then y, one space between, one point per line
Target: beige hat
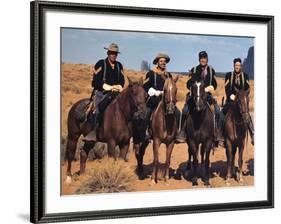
112 47
161 55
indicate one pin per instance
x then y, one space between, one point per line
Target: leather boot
92 135
181 133
219 138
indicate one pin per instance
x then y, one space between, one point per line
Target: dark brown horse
235 132
200 132
164 126
115 127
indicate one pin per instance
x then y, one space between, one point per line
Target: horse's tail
75 117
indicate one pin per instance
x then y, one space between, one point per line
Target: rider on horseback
237 80
108 82
154 83
206 74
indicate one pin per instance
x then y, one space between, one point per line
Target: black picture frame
37 153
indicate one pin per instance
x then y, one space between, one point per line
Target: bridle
171 104
198 96
244 114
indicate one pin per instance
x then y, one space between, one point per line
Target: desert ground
76 84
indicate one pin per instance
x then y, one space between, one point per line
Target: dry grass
108 176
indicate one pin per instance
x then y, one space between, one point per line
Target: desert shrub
108 176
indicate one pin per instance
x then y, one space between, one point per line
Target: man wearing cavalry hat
154 82
206 74
237 80
108 81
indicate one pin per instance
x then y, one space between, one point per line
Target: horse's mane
123 93
167 81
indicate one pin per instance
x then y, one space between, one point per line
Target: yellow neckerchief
158 71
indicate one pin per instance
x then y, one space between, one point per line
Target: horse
115 127
164 126
200 132
235 132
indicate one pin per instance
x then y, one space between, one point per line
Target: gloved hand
232 97
154 92
116 88
209 89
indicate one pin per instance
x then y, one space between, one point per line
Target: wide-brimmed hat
161 55
112 47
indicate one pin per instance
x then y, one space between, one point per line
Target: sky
87 46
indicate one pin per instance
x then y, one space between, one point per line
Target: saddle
94 113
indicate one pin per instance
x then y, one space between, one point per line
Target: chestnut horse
115 129
164 126
235 132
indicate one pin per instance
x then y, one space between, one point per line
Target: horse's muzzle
246 117
140 114
170 108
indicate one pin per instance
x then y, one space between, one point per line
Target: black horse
200 132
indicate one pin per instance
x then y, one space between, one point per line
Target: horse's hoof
194 182
153 182
78 173
207 183
241 181
227 183
68 180
141 176
166 181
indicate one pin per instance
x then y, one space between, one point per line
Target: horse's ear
130 81
176 78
